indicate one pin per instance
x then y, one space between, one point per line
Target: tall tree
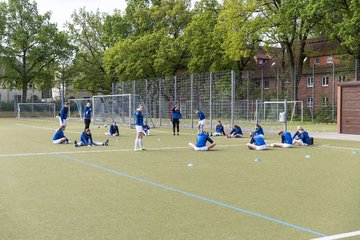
87 32
342 22
31 46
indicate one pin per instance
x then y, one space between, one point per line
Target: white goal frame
53 105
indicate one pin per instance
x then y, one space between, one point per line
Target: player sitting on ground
113 130
259 130
286 140
59 136
257 142
86 140
219 129
235 132
201 140
301 137
146 129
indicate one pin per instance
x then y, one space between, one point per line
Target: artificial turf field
52 191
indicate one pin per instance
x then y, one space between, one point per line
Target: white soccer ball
98 126
190 165
105 125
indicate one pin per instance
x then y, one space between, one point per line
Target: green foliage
324 115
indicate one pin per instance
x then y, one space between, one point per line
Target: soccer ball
105 125
98 126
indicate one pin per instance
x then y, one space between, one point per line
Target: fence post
247 95
191 100
232 96
210 102
256 112
175 90
159 101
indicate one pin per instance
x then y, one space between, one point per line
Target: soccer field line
44 128
194 196
339 236
101 151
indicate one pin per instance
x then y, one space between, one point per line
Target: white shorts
63 122
58 141
261 147
139 129
205 148
286 145
202 122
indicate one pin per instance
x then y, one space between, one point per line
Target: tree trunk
24 92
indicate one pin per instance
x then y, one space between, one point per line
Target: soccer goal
30 110
119 108
76 108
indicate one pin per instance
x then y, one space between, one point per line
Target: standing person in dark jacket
86 140
176 116
219 130
87 115
63 114
200 144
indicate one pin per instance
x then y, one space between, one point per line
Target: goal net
119 108
29 110
76 108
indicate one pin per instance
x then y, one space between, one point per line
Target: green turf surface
52 191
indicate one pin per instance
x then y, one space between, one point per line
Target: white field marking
98 151
341 148
339 236
45 128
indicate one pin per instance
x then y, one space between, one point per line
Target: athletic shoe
67 141
178 134
142 149
75 142
106 143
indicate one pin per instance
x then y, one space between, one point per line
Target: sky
62 9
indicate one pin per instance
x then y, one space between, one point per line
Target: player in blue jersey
219 130
202 120
59 136
286 140
301 137
257 142
236 132
259 130
146 129
86 140
139 125
201 140
113 130
87 115
175 117
63 114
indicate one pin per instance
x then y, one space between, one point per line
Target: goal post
119 108
76 108
31 110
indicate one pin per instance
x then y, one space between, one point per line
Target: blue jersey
220 129
146 127
286 138
64 112
201 115
87 112
258 131
139 119
86 139
304 136
176 114
236 130
258 140
59 134
201 140
113 129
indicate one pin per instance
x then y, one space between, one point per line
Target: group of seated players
257 141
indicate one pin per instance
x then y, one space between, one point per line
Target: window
262 61
341 78
325 81
317 60
266 84
310 102
325 101
310 82
329 60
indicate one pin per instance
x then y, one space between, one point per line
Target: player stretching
59 136
201 140
139 124
202 119
113 130
286 140
257 142
219 130
86 140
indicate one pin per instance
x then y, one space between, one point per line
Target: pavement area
334 135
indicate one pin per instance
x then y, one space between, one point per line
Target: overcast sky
62 9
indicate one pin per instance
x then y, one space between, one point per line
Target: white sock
136 143
140 143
